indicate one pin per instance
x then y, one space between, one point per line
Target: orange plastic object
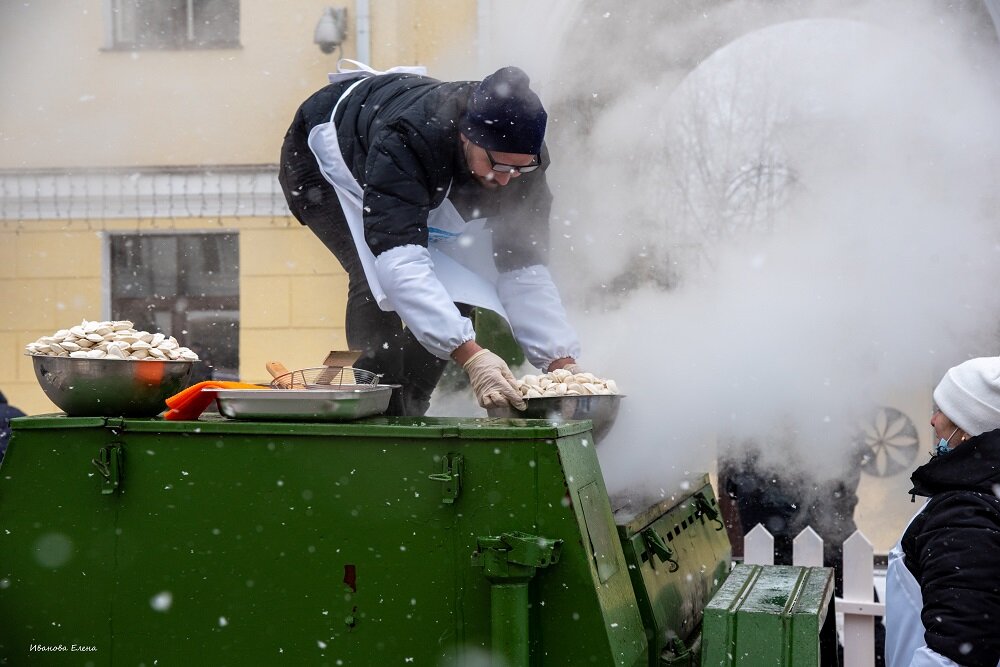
189 403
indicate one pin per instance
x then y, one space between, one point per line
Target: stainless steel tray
341 404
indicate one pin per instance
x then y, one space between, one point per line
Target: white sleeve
537 316
406 274
928 657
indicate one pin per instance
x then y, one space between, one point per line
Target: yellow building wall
439 34
66 102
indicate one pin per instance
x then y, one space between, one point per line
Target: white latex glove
492 381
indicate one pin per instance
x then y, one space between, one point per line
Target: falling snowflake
162 601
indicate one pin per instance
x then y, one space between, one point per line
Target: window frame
114 42
192 303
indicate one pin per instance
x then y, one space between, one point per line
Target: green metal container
386 541
771 615
678 554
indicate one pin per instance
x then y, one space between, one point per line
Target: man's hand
565 363
492 381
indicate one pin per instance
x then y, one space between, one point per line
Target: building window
174 24
185 285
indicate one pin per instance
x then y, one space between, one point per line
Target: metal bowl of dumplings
110 387
600 409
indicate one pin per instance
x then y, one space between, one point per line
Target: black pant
387 347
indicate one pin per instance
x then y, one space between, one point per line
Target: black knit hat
505 115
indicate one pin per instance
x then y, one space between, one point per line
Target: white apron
904 629
462 252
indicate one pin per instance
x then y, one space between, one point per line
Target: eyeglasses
513 169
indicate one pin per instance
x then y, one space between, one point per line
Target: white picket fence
858 605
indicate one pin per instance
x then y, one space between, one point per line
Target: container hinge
656 544
702 506
451 477
110 464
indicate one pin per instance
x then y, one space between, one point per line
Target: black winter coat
952 548
399 135
7 412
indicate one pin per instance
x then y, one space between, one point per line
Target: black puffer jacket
7 412
399 134
952 548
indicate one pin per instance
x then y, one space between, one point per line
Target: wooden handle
277 369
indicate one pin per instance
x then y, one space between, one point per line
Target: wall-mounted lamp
331 29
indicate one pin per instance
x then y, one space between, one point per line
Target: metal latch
451 477
656 544
679 653
110 463
702 506
515 556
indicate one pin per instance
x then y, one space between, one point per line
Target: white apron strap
344 72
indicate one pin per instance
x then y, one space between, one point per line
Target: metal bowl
600 409
110 387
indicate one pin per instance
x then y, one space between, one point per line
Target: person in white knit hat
943 579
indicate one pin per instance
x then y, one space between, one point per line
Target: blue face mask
942 446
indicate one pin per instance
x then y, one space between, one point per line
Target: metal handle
704 507
656 544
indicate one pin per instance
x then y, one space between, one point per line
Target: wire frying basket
325 377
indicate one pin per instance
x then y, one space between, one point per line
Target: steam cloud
770 217
798 230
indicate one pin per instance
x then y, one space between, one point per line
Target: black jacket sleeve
959 573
